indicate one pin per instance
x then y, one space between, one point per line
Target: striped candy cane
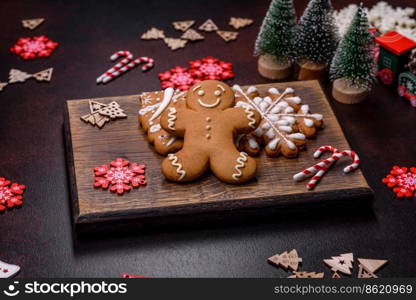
149 63
122 53
320 168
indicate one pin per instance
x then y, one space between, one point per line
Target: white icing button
208 136
208 119
208 127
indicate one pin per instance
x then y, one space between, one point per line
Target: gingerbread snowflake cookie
286 122
153 104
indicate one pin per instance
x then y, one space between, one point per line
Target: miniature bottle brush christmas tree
316 40
275 41
353 69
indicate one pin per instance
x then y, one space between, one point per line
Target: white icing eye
201 93
217 93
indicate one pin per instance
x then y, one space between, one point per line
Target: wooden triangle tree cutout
238 23
32 23
342 263
113 110
367 267
228 35
45 75
183 25
153 34
208 26
3 85
175 44
18 76
192 35
303 274
286 260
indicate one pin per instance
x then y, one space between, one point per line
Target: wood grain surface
273 184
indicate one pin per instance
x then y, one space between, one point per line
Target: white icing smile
209 105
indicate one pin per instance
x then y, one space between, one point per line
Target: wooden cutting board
88 146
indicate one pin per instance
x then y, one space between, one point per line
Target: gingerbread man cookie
153 104
209 124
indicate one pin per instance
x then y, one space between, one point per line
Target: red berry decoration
402 181
34 47
10 194
120 176
211 68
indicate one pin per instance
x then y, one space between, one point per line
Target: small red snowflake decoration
402 181
177 78
386 76
33 47
211 68
120 176
10 194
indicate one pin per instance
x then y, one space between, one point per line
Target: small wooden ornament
238 23
367 267
303 274
45 75
113 111
228 35
309 70
153 34
175 44
101 113
208 26
344 92
286 260
342 263
3 85
269 67
192 35
32 23
18 76
183 25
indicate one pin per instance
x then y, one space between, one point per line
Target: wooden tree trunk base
343 92
270 67
309 71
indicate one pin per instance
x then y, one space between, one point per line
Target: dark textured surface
38 237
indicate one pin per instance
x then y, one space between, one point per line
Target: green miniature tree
276 36
354 58
316 35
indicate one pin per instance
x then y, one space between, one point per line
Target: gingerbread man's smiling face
210 95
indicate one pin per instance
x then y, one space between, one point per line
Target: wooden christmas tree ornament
269 67
192 35
18 76
307 70
208 26
343 91
227 36
342 263
238 23
175 44
367 267
3 85
183 25
45 75
286 260
153 34
101 113
32 23
303 274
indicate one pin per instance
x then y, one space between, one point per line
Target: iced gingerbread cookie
208 125
286 122
153 104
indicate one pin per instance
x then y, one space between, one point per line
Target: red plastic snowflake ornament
120 176
10 194
177 78
38 46
211 68
402 181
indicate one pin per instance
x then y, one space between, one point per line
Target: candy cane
149 64
128 57
320 168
